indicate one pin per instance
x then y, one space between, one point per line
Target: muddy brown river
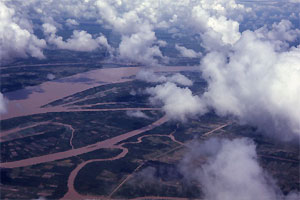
28 101
74 152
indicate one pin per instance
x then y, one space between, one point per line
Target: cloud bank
135 21
252 76
257 84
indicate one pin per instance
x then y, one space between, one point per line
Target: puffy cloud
247 76
137 114
294 1
71 22
162 43
137 20
150 76
48 9
253 76
218 27
178 103
257 84
3 103
50 76
268 12
137 35
189 53
180 79
16 37
144 177
280 34
228 29
126 22
102 41
212 20
230 171
138 47
49 29
79 41
283 31
138 40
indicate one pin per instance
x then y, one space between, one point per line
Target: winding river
29 101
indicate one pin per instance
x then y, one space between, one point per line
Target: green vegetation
158 179
101 178
164 129
90 127
156 156
121 93
49 141
16 78
150 166
44 180
47 180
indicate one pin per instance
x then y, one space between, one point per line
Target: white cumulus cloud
137 114
189 53
257 84
16 37
178 103
231 171
3 103
79 40
280 35
71 22
150 76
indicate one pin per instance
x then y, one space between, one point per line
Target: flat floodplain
79 141
28 101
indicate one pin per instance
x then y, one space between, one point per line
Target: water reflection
76 80
24 93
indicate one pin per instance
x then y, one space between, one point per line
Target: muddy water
74 152
72 193
17 129
28 101
5 133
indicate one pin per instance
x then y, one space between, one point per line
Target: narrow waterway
74 152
